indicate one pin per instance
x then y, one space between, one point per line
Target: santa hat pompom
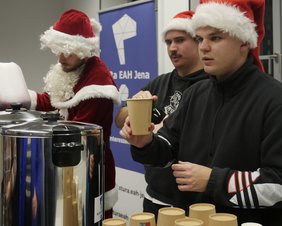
97 27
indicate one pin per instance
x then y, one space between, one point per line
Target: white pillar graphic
123 29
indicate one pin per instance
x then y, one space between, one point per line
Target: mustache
174 54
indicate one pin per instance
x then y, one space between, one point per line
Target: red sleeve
43 102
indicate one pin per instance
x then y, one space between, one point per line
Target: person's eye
168 43
216 38
180 40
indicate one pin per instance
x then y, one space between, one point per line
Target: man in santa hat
80 85
224 140
168 88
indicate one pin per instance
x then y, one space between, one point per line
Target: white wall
90 7
21 24
111 3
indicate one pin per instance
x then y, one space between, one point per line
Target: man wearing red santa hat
80 85
168 88
225 137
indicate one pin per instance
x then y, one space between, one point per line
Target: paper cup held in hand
140 115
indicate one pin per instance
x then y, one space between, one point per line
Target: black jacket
234 127
169 88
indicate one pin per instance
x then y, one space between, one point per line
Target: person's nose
172 47
204 45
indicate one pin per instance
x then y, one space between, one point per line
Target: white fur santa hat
242 19
180 22
73 33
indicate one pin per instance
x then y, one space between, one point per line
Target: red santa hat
73 33
182 22
242 19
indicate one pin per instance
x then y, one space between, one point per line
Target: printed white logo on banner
124 92
123 29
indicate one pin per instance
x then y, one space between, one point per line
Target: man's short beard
75 67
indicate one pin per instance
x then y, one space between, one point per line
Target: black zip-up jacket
169 88
234 127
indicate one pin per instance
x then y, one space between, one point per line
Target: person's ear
245 46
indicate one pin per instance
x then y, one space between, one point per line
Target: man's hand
191 177
144 95
136 140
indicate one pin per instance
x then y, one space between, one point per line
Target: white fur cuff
33 99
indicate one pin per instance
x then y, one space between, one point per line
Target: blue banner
129 49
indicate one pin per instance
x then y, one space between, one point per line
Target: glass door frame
277 42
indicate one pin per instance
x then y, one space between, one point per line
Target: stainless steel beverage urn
13 116
53 173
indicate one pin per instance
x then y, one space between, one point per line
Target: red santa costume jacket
86 95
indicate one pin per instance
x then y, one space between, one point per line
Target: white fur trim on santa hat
227 18
88 92
181 24
60 42
111 198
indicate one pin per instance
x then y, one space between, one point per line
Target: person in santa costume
80 85
223 143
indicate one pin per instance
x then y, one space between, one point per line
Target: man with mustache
224 140
168 88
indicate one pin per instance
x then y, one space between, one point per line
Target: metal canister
13 116
53 173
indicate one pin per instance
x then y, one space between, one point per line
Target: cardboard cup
140 115
168 215
114 222
222 219
201 211
188 221
142 218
